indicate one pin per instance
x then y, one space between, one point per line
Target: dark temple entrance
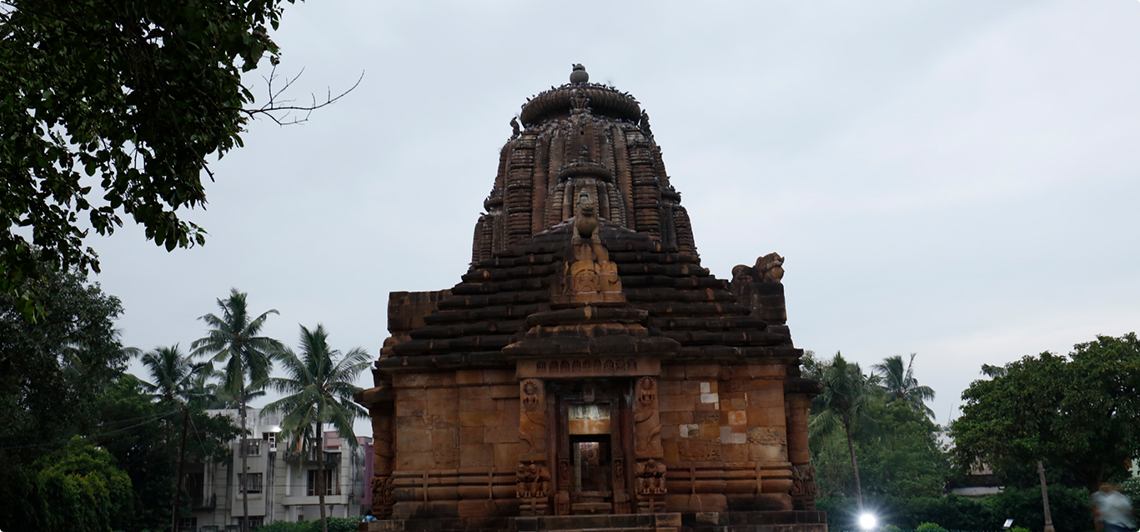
594 438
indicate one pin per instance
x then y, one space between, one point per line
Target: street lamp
867 521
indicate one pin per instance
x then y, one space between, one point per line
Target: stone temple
587 372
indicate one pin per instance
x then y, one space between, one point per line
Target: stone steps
662 522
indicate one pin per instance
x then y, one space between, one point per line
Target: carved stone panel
803 490
647 420
578 367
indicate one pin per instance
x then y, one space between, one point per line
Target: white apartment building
281 482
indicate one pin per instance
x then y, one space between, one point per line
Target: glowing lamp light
867 521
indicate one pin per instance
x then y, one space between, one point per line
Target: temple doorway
592 448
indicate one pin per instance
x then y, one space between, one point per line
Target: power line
61 442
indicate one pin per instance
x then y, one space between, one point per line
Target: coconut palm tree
899 382
233 340
847 394
319 389
174 383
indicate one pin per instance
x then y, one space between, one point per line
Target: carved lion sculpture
586 221
768 269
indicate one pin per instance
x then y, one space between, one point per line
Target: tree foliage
847 395
62 382
53 371
111 108
81 489
233 340
900 384
1077 412
320 387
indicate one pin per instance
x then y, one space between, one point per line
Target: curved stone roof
603 100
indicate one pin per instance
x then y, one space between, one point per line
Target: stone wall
724 438
456 443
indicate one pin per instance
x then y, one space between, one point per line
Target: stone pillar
379 403
799 392
650 455
533 474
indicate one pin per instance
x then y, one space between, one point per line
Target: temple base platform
784 521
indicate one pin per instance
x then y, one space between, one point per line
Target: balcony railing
331 459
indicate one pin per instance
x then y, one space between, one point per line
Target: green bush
1068 506
929 527
1019 529
335 524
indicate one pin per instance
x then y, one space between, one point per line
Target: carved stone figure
803 481
382 496
533 481
530 389
515 127
589 277
646 391
586 221
768 269
647 420
650 477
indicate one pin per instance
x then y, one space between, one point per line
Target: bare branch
280 110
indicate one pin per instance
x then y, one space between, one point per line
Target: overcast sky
953 178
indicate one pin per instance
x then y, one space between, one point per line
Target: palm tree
174 379
233 340
899 382
847 393
320 387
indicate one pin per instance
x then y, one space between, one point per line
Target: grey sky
956 179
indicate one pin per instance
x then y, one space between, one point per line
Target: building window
195 485
250 482
252 447
189 524
331 487
270 440
254 521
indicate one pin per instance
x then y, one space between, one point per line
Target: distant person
368 517
1112 510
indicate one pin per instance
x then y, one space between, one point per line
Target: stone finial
579 74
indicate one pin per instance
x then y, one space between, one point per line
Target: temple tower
587 372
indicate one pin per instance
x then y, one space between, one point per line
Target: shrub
929 527
335 524
1068 506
